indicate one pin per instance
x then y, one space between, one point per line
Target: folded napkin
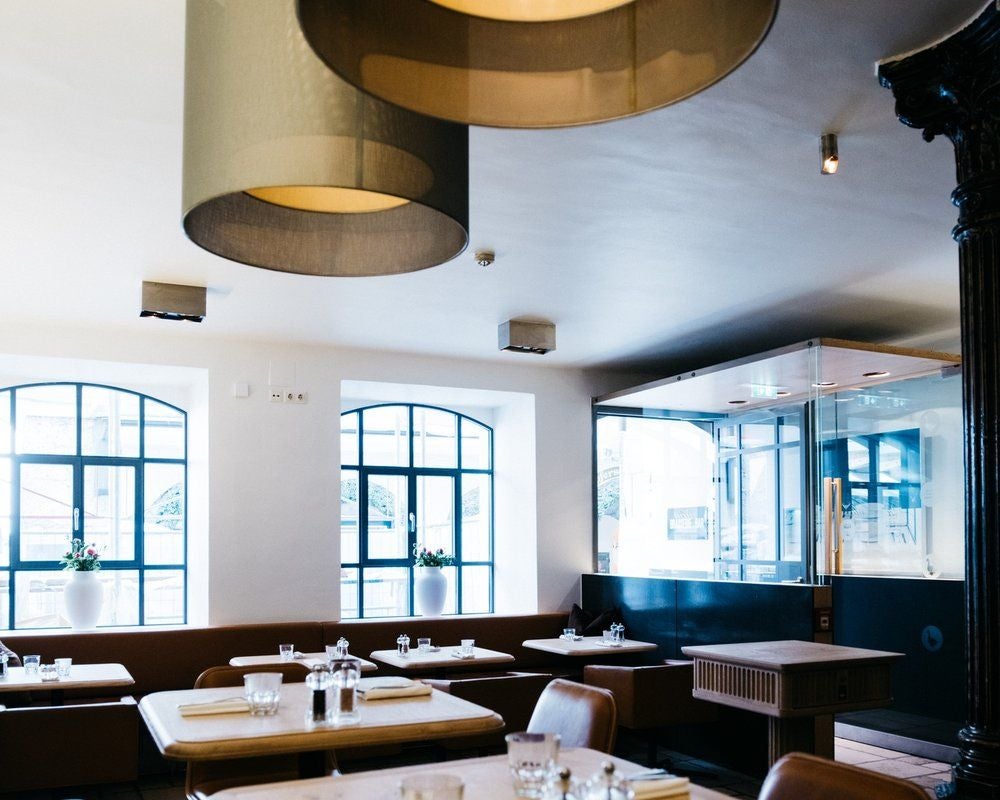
231 705
460 654
672 786
602 643
384 688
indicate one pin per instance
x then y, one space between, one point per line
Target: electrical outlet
276 395
301 397
296 396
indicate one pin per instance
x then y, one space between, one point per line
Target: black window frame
364 472
79 463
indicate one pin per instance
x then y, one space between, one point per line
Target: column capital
952 89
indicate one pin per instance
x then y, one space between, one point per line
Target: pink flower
78 555
91 551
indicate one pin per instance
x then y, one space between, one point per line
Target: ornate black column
953 89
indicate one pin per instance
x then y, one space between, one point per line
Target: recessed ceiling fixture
288 167
534 63
824 384
485 258
521 336
830 159
782 393
736 402
173 301
879 374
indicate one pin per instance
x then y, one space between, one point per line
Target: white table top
81 676
307 659
587 646
484 778
443 659
206 738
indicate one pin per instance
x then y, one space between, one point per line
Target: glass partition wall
817 459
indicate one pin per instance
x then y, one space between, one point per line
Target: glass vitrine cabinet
821 458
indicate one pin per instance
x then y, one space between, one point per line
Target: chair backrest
233 676
798 775
583 716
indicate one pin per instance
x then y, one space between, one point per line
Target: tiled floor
928 774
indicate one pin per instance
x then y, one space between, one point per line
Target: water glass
569 633
532 759
468 648
424 645
286 651
431 787
63 666
31 664
47 672
263 691
609 637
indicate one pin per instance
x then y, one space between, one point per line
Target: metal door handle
76 520
413 522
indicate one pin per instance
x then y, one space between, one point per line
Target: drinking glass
468 648
532 759
63 666
286 651
31 664
431 787
263 691
569 633
423 645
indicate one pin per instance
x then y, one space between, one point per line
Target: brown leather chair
798 775
652 697
583 716
513 695
205 778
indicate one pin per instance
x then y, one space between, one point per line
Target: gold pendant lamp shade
289 168
534 63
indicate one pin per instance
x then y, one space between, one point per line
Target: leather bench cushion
162 659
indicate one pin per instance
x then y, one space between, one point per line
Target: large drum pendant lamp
288 167
534 63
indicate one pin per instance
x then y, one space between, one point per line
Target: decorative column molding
953 89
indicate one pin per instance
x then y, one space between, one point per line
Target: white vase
83 597
430 591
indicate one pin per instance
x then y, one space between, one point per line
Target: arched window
104 465
414 475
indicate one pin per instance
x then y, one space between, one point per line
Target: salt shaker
403 645
342 646
608 784
345 691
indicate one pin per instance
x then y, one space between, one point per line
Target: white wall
272 503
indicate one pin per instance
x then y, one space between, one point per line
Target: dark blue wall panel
674 613
924 619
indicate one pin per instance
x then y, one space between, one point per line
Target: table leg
789 734
312 764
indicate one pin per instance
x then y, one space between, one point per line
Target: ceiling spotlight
824 384
782 393
485 258
878 374
521 336
736 402
173 301
828 152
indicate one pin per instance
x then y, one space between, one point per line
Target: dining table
306 659
81 676
484 778
440 659
436 715
587 646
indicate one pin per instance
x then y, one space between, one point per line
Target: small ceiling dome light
534 63
289 168
828 152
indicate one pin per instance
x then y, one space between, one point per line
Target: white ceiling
690 234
